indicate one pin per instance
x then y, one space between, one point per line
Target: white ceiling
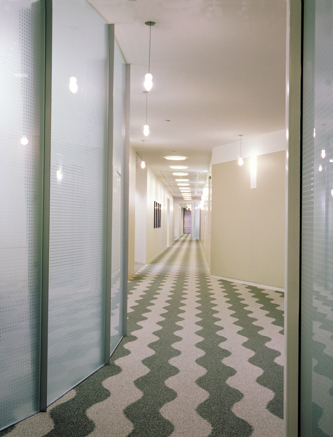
218 68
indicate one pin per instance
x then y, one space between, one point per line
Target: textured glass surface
78 195
317 223
117 220
21 79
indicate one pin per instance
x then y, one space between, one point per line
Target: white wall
177 217
263 144
206 210
140 213
156 238
131 213
195 225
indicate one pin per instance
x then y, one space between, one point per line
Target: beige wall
131 212
248 224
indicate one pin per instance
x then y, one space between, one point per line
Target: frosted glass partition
21 157
317 222
117 196
78 195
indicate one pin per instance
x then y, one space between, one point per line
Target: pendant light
148 83
240 160
146 130
143 163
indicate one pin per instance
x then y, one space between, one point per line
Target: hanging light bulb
148 83
146 130
240 160
143 163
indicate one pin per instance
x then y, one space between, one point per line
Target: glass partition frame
21 196
78 195
316 356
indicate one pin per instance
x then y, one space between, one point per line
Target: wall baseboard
253 284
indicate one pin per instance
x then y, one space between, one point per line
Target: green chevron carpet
204 357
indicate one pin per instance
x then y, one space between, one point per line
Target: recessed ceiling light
182 180
179 173
183 184
179 167
175 158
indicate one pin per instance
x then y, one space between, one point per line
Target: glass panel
317 222
117 219
21 78
78 194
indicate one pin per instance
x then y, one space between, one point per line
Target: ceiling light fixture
143 163
146 130
179 173
181 180
179 167
148 83
183 184
175 158
240 160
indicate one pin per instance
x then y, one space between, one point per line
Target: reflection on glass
24 140
73 85
78 195
21 50
317 224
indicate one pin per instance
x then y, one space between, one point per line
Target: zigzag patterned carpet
204 357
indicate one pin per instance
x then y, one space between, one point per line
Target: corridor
203 357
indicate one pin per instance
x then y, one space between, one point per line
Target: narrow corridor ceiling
219 71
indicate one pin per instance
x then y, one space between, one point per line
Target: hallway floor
204 357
